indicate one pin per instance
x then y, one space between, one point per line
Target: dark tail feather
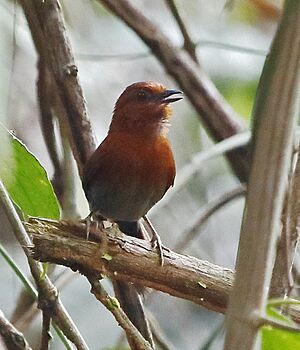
133 228
131 303
128 295
130 228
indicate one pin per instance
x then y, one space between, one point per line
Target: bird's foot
156 244
156 241
89 221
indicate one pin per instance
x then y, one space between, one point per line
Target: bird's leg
155 240
88 221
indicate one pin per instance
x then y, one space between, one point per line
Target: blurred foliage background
232 41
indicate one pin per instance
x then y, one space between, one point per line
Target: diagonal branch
203 214
218 117
188 44
112 304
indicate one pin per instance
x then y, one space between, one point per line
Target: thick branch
276 109
48 30
216 114
112 254
121 257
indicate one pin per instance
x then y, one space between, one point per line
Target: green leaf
25 179
278 339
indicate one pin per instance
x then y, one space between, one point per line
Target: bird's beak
165 97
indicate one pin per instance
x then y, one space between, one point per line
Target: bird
130 171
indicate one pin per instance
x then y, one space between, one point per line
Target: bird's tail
128 295
131 302
133 228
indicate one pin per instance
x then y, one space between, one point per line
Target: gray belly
127 204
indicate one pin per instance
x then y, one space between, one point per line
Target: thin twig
232 47
46 92
282 279
68 201
113 306
25 281
13 339
46 336
23 320
278 302
142 55
281 276
217 331
266 321
48 295
295 211
188 171
188 45
158 334
51 107
27 298
204 214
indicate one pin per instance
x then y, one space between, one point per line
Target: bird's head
144 106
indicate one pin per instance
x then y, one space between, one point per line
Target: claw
156 241
89 221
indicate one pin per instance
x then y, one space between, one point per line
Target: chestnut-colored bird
131 170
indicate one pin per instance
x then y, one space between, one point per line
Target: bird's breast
130 174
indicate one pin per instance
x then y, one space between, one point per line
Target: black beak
165 97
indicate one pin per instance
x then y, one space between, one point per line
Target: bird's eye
142 94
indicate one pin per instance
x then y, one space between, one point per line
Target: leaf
25 179
278 339
106 256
